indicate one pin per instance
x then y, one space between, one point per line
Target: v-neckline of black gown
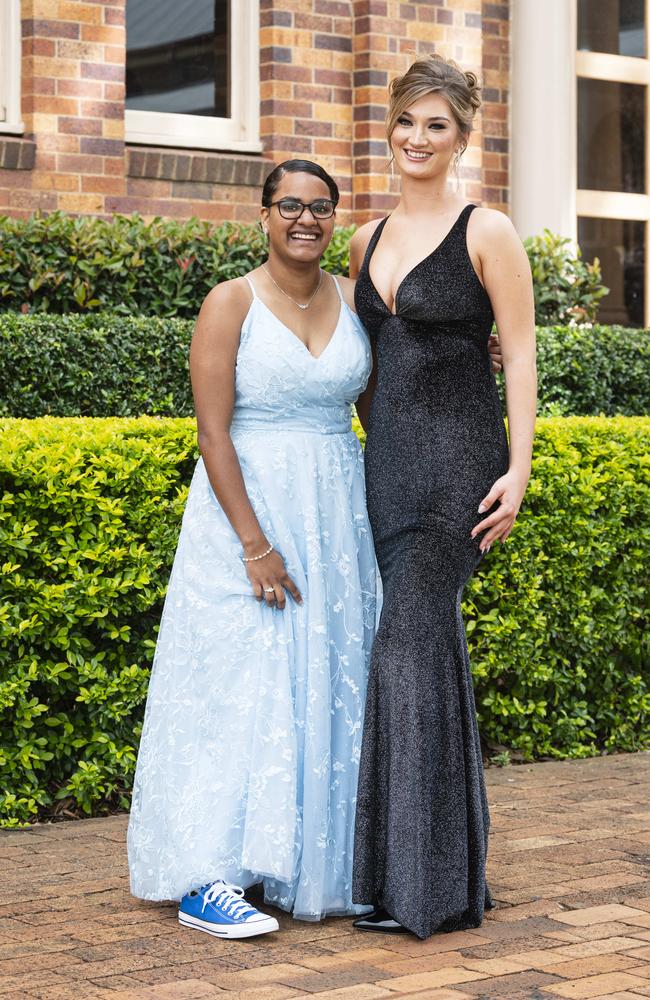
376 236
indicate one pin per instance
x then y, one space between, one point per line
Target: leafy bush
62 263
89 514
106 365
88 522
94 365
567 290
591 370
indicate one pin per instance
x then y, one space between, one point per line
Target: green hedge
591 370
97 365
107 365
63 263
89 514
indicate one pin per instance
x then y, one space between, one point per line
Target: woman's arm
507 278
213 357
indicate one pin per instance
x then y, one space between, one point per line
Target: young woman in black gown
442 487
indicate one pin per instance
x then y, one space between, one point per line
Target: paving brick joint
569 868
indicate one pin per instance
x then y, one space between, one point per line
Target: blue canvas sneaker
220 909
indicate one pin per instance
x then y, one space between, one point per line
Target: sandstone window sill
197 166
17 154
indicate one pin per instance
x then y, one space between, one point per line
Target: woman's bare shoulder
489 223
362 236
234 294
223 310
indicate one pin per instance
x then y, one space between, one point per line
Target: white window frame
10 64
620 204
240 132
543 90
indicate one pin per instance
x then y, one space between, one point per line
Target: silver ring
269 590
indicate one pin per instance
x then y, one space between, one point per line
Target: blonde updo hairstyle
435 75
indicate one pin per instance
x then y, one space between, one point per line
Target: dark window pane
612 26
619 245
177 56
611 136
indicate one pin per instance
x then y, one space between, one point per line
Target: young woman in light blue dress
248 762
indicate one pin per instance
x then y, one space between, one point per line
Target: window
192 73
613 139
10 58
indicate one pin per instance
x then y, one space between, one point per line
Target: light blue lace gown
247 768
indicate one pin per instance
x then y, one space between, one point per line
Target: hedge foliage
62 263
107 365
89 514
567 288
96 365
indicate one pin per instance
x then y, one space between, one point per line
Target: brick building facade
324 67
562 142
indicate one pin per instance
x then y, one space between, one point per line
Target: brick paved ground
569 867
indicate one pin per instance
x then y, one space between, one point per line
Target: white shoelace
228 897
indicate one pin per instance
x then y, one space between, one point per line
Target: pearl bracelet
255 558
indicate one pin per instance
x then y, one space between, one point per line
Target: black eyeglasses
291 208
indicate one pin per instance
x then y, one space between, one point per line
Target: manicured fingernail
482 509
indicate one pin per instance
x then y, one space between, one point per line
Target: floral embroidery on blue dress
248 762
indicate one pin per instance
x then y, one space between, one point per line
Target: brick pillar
73 102
496 79
374 191
306 88
389 36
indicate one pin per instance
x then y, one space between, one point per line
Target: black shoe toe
379 920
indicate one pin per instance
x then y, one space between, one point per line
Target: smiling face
306 238
425 138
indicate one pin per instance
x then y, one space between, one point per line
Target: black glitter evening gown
436 444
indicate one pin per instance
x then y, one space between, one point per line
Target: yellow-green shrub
89 514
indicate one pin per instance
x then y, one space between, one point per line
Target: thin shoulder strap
251 285
372 243
338 288
463 218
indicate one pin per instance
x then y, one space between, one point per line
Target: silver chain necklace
300 305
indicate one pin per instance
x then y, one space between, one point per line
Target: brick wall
495 76
325 68
74 157
73 94
306 84
352 50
